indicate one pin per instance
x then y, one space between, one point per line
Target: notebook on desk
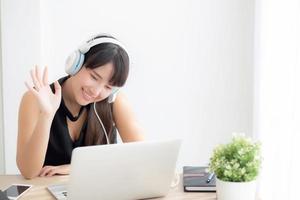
133 170
195 179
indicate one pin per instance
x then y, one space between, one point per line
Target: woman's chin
83 102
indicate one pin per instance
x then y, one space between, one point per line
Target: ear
113 95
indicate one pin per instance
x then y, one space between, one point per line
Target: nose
96 91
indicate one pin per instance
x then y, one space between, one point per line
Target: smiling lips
86 96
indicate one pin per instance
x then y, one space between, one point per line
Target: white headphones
75 60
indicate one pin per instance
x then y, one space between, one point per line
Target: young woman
83 108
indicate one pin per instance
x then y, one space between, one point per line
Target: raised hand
48 101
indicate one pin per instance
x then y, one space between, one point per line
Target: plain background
191 63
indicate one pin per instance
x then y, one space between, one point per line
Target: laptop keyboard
58 191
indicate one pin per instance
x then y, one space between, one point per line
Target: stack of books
198 179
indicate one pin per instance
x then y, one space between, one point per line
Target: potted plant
236 166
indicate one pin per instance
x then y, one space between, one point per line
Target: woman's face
92 85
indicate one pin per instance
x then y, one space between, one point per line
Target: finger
45 76
30 88
38 75
37 85
52 172
45 170
42 171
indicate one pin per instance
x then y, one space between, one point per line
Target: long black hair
98 56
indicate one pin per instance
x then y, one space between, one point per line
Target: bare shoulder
126 122
121 98
121 105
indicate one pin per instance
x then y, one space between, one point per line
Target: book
195 179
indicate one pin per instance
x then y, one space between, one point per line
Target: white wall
20 50
277 97
191 63
1 111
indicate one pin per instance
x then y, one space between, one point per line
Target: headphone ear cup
74 62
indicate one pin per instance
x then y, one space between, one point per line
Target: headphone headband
95 41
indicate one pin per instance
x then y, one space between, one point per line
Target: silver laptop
134 170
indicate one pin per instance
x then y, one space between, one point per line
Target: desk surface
39 191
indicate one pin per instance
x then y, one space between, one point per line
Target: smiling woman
80 109
186 79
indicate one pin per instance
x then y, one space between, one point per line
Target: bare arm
33 136
36 113
127 125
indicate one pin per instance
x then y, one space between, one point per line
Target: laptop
135 170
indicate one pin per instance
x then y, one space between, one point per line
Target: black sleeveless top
61 145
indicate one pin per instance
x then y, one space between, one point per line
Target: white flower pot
236 190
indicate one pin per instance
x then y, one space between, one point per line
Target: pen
210 177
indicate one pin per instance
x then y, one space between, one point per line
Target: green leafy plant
237 161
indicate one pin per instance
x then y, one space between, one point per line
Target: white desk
39 191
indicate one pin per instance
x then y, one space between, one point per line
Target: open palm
48 101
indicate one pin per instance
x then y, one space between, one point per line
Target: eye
108 87
93 77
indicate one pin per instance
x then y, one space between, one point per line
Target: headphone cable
100 121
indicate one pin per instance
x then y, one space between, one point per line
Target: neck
69 97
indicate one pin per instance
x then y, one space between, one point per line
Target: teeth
86 94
